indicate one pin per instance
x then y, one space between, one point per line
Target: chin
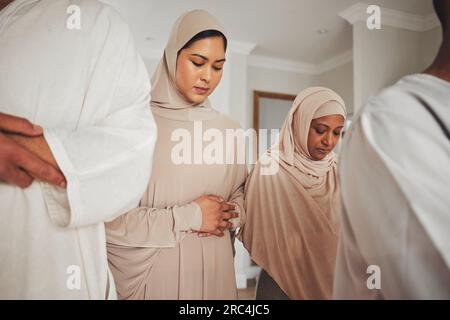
197 99
318 157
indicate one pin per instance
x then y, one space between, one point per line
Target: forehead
212 46
334 120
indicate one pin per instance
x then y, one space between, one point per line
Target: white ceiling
285 29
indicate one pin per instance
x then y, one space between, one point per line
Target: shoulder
398 129
395 108
227 122
395 100
90 10
268 172
95 16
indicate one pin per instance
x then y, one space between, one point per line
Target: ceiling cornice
390 17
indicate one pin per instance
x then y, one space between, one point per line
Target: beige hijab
166 100
293 216
310 104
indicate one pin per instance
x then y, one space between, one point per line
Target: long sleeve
107 157
154 228
239 174
237 197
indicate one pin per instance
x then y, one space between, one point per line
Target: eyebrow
322 124
206 59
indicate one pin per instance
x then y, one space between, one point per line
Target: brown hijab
293 216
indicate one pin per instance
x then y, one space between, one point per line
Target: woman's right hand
215 214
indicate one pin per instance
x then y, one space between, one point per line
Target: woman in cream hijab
177 244
292 222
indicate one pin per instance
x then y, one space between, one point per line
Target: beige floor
249 292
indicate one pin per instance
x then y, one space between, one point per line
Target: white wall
340 80
431 42
151 65
271 80
237 87
382 57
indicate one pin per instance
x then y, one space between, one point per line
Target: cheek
217 76
185 75
313 138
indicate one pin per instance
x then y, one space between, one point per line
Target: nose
327 139
206 75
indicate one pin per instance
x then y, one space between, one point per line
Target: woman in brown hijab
292 222
177 244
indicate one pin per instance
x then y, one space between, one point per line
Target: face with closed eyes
199 69
324 134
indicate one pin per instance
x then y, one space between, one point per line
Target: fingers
225 225
204 234
221 227
215 198
228 206
22 179
19 178
229 215
18 125
39 169
218 233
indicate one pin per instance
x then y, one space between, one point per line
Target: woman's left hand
208 234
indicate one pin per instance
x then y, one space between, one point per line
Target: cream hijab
164 94
293 216
312 103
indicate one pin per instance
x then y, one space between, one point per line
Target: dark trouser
268 289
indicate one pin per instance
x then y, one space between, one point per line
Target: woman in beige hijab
177 244
293 215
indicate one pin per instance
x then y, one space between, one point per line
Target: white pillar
383 56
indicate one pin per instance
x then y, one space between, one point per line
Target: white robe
89 89
395 184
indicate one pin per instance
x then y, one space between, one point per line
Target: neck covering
293 216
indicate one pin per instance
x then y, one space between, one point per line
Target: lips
201 90
323 151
